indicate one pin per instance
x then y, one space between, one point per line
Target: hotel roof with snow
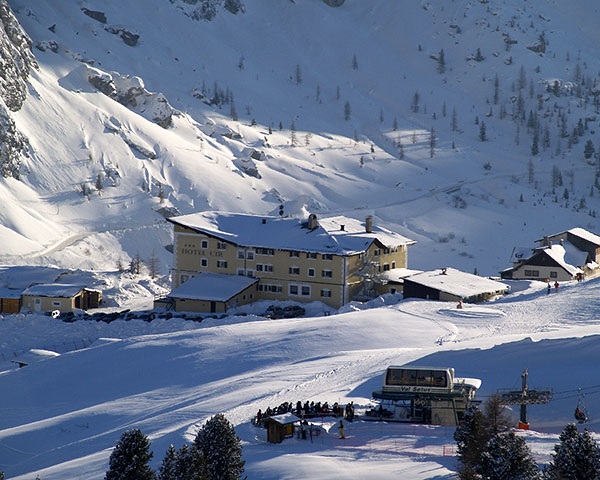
335 235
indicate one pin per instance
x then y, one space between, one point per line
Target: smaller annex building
449 284
213 292
47 297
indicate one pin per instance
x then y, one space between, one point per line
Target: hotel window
265 251
386 267
294 289
241 271
241 254
264 267
204 243
327 274
327 256
311 272
221 264
305 290
270 288
376 252
249 255
221 246
553 274
393 265
204 262
295 254
326 293
311 255
294 270
532 273
250 273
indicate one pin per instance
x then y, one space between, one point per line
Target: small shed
10 300
280 427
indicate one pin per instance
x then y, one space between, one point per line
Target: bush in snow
129 460
576 456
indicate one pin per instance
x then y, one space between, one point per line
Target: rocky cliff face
16 61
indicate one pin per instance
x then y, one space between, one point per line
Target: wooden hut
280 427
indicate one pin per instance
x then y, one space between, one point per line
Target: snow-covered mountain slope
319 108
62 415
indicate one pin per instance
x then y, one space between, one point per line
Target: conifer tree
190 464
441 66
415 102
347 110
589 150
221 449
168 466
130 457
496 89
432 143
454 122
576 456
482 131
470 438
507 457
293 136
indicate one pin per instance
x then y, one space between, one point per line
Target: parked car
293 311
274 312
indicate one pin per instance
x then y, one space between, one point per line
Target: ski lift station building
431 395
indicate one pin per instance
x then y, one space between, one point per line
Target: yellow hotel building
223 260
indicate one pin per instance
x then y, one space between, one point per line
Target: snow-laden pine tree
575 457
130 457
221 449
507 457
167 469
470 438
183 464
474 433
190 464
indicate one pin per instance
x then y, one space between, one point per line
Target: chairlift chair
581 414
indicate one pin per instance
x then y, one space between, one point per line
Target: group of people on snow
307 410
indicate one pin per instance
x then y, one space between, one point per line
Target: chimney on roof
264 220
342 227
369 224
546 242
312 221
